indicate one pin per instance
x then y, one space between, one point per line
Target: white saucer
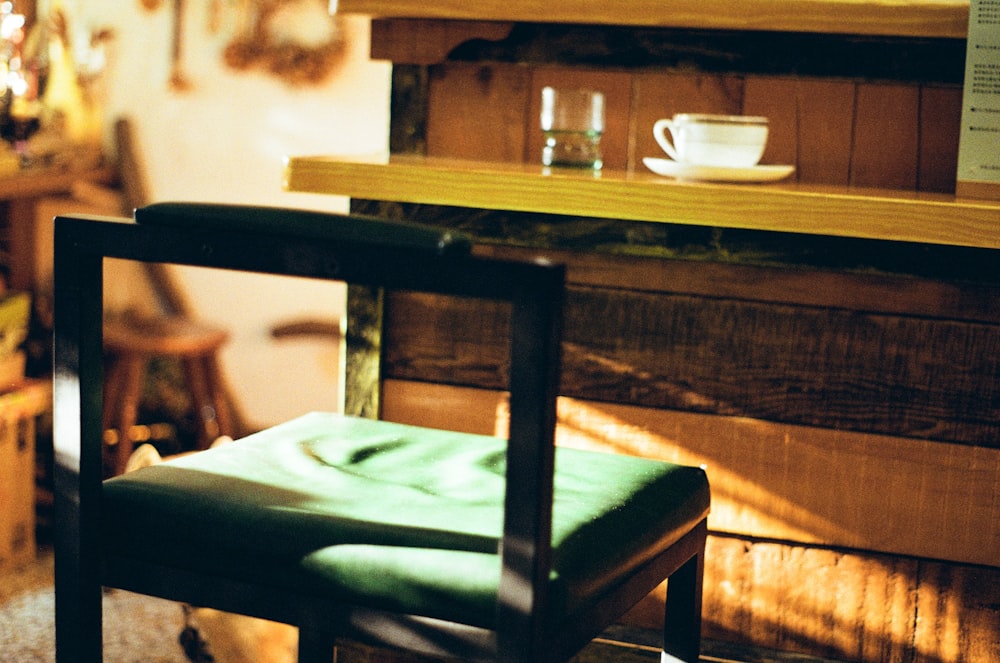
683 171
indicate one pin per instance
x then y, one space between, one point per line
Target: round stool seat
174 336
130 341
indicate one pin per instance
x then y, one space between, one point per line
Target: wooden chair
443 543
131 342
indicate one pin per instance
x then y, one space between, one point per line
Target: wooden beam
867 372
834 211
794 483
911 18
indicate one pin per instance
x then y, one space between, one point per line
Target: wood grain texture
867 372
796 593
924 18
815 602
969 598
982 190
836 131
478 112
825 126
886 136
428 42
792 483
833 211
857 290
940 125
775 98
848 606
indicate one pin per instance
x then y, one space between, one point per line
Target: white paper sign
979 146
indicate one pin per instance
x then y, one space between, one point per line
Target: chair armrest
305 223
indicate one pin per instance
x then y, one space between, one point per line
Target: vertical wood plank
884 153
813 601
728 586
416 41
774 98
888 606
940 126
477 111
844 605
661 94
959 614
617 90
825 118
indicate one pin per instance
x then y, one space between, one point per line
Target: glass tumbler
572 122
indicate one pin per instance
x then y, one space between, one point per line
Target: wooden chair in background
132 341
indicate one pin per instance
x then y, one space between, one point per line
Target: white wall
224 140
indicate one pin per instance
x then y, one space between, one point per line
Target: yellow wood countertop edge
906 18
642 196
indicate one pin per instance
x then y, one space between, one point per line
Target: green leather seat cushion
392 516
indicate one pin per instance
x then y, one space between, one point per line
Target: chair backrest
346 248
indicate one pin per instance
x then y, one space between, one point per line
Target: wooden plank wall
839 132
831 368
824 539
855 469
819 600
811 442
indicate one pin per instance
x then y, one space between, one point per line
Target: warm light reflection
804 488
810 485
66 419
739 505
790 596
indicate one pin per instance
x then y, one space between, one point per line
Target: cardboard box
19 409
15 315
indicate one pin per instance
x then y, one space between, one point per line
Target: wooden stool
131 341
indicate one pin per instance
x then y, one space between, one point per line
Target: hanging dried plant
297 41
285 39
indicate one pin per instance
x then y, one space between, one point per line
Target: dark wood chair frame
535 291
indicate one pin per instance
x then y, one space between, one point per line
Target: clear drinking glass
572 122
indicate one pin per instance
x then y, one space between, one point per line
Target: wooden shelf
905 18
642 196
38 182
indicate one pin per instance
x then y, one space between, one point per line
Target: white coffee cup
732 141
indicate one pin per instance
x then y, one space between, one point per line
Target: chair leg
114 382
314 647
682 626
78 591
129 395
217 395
208 399
201 402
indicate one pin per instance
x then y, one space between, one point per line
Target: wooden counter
910 18
38 182
641 196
